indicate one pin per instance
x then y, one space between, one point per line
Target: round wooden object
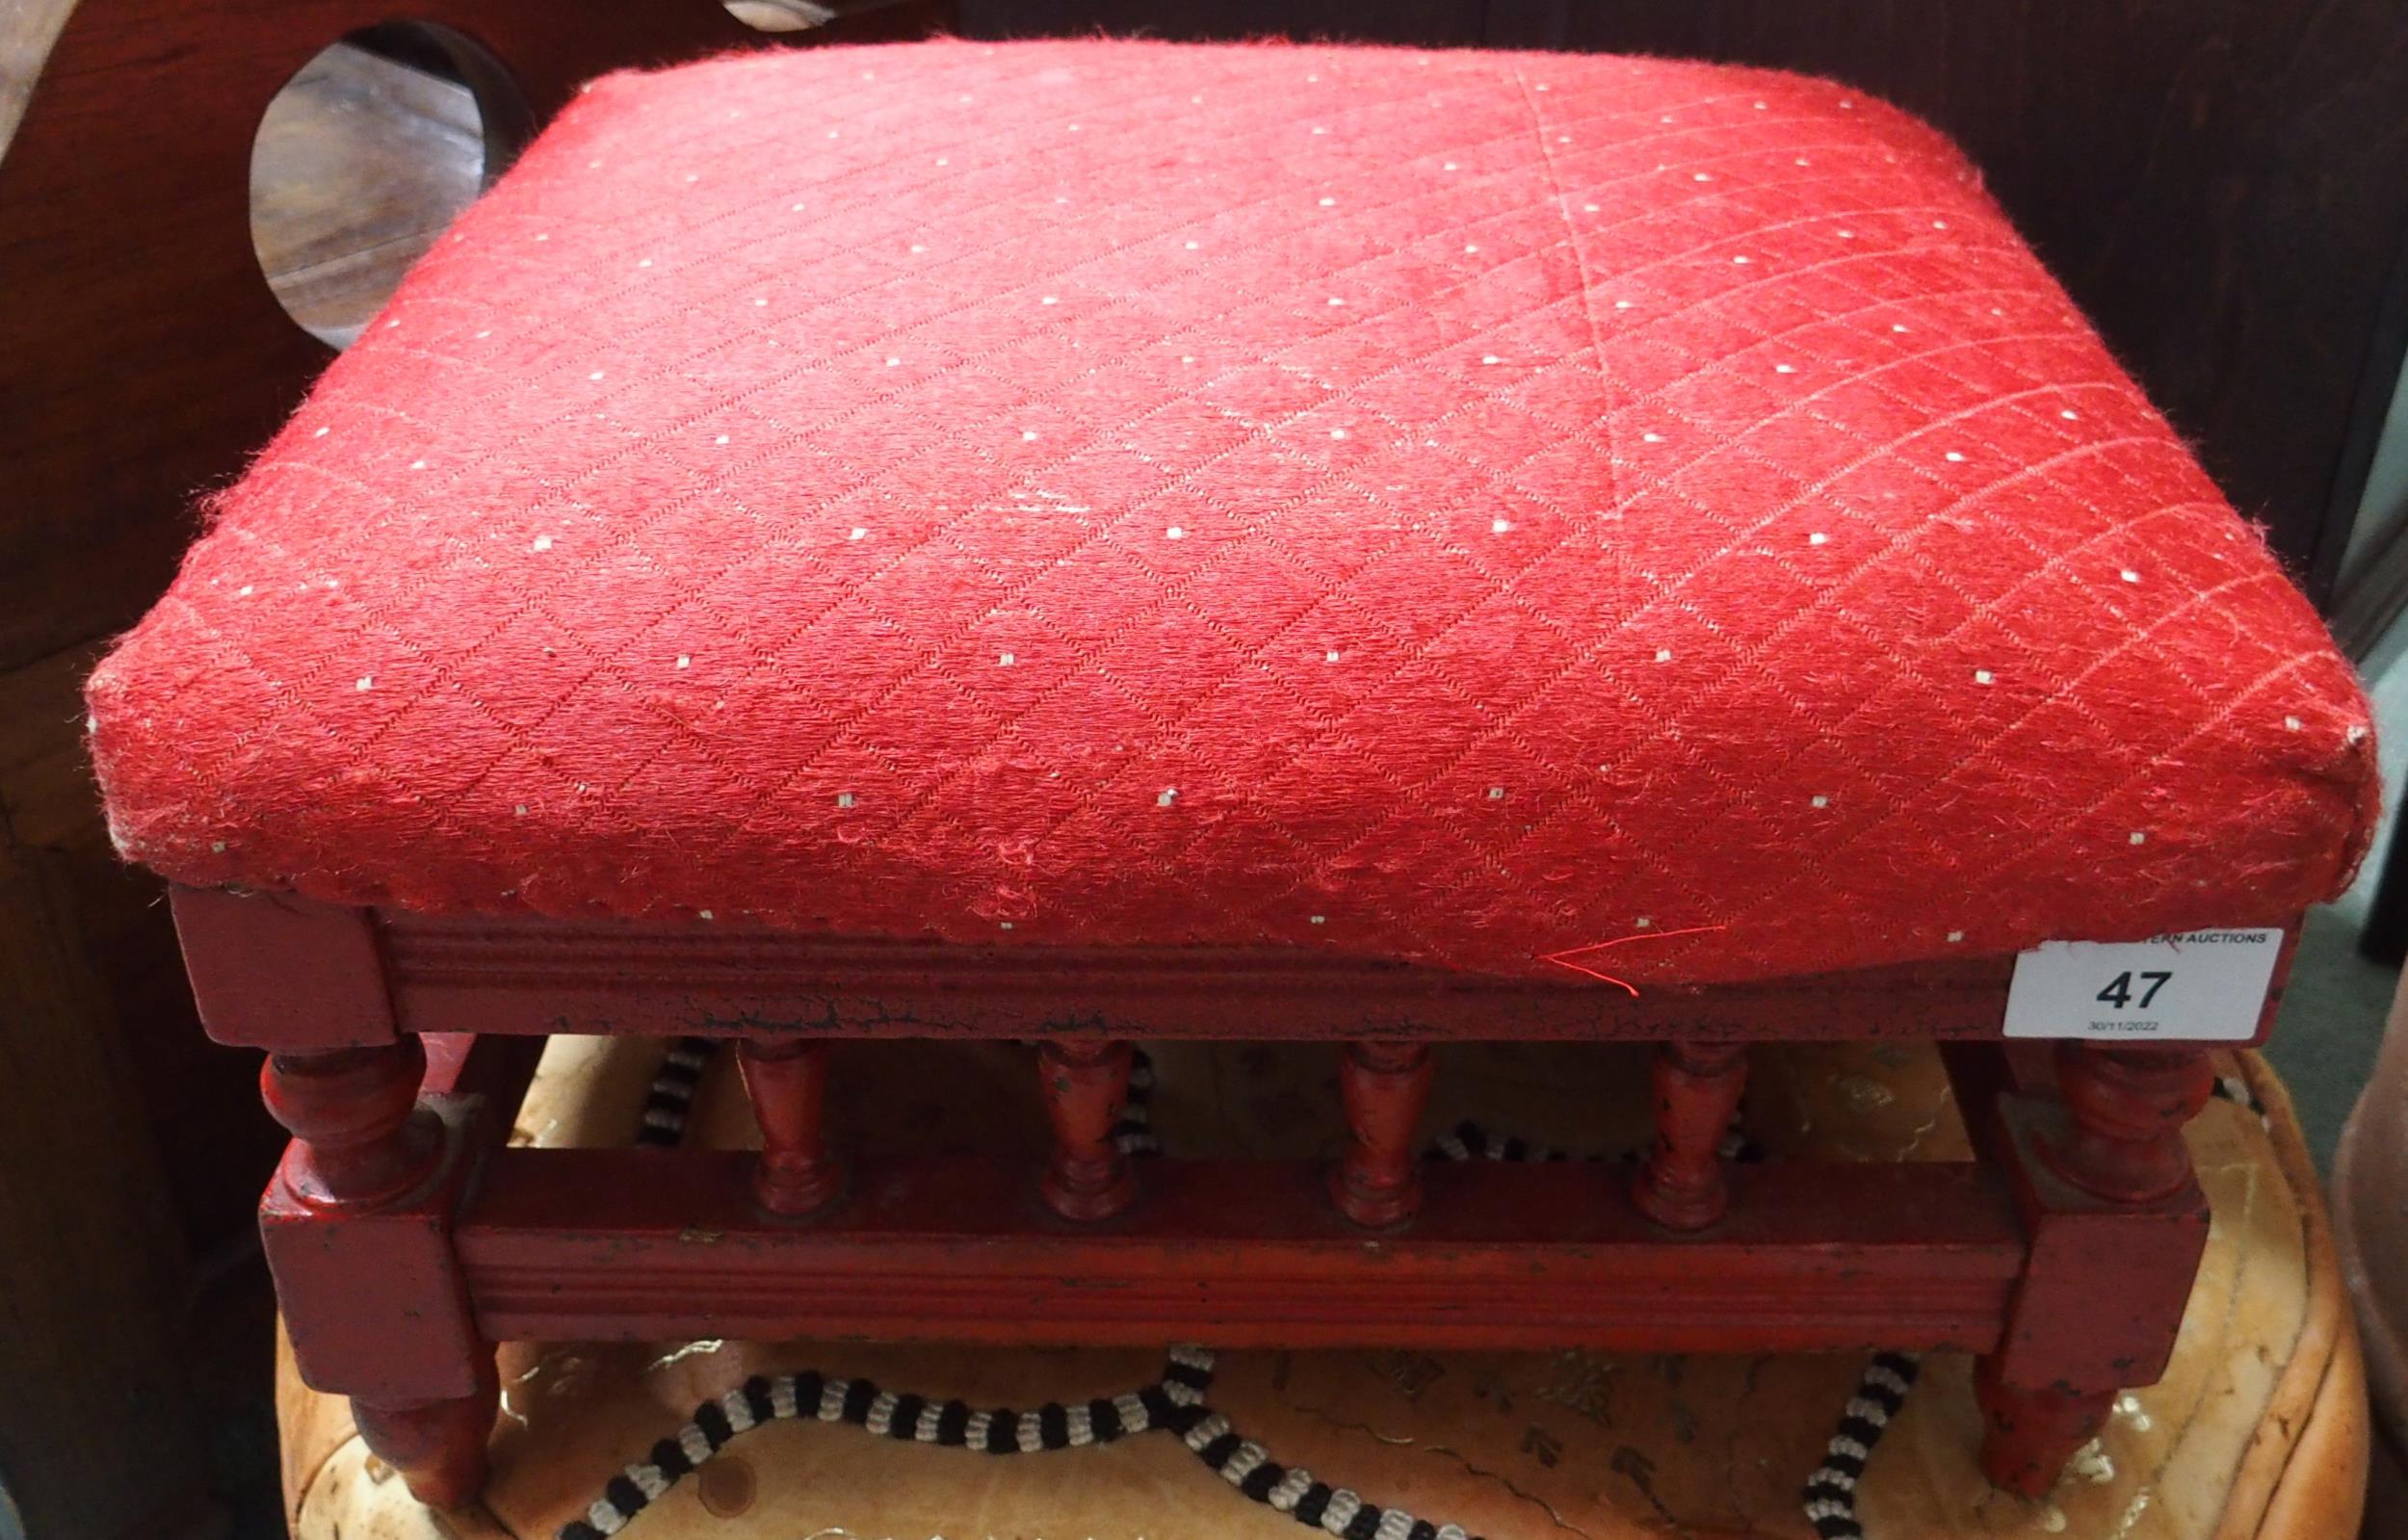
2257 1431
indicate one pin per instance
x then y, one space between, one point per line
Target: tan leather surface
2308 1456
2371 1216
2259 1429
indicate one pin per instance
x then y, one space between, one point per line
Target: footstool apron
1106 543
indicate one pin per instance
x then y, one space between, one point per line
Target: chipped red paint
406 1240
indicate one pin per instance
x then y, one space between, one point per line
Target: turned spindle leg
786 1080
2128 1107
439 1447
1087 1083
1683 1185
359 1138
2030 1431
2115 1240
1384 1086
354 1231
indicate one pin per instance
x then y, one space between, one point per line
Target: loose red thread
1564 959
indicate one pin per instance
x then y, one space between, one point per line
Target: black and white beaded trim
1294 1490
1467 1141
670 1097
1134 1133
2234 1089
1830 1496
895 1415
1174 1403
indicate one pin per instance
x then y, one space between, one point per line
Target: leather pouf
2259 1429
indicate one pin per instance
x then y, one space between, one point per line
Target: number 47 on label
2119 989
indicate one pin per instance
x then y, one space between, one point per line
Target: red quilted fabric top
1540 516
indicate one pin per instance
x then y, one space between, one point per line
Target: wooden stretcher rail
621 1244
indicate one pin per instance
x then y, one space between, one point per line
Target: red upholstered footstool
1094 542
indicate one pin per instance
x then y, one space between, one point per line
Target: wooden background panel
92 1265
142 357
2223 184
360 164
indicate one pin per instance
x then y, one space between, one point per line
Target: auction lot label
2199 986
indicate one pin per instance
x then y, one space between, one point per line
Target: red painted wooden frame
405 1239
